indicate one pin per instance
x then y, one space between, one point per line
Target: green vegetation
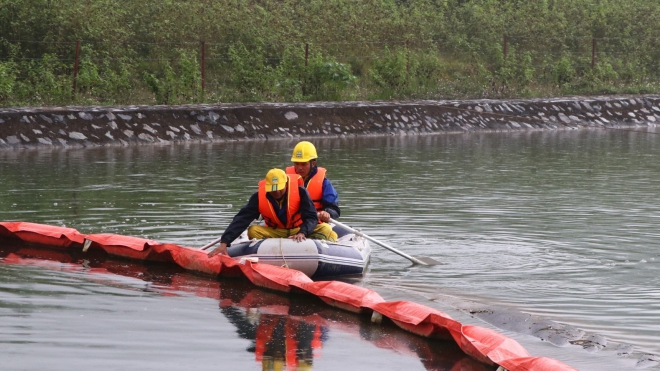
150 52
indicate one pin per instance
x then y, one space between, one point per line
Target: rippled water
558 229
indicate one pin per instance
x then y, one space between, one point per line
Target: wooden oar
420 261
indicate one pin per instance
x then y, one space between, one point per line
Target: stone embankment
99 126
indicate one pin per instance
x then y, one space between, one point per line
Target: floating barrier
480 343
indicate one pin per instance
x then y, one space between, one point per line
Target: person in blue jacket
323 194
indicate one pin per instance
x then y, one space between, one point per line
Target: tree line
176 51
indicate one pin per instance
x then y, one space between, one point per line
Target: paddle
420 261
219 238
210 244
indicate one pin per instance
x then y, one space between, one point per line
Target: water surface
557 229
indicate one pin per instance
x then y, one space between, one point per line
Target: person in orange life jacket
286 208
323 194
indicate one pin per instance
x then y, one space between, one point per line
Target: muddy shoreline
93 126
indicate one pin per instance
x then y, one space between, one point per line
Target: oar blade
429 261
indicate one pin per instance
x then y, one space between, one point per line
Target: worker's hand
298 237
324 216
222 249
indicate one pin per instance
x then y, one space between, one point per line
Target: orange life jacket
314 185
293 217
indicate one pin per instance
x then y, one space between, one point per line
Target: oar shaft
392 249
210 243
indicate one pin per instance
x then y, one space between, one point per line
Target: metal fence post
306 54
75 70
203 65
505 45
408 55
593 52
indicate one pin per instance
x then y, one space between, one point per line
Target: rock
239 128
108 135
36 131
125 117
146 137
149 129
77 135
228 129
12 139
85 116
46 118
111 116
113 125
196 129
291 115
563 118
45 141
128 133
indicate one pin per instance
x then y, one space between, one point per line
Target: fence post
408 55
75 71
505 45
593 52
306 53
203 65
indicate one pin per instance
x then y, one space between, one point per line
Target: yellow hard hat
275 180
304 152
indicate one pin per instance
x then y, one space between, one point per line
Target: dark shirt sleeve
307 212
242 220
330 199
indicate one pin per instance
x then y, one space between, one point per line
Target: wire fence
213 59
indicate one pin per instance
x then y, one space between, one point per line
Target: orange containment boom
483 344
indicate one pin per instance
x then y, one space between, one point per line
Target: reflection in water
286 332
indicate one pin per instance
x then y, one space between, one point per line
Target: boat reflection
287 332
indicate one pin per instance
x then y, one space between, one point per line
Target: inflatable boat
318 259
